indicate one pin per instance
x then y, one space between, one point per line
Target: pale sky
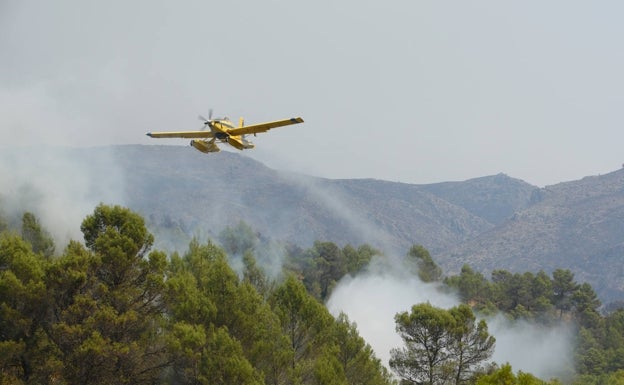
410 91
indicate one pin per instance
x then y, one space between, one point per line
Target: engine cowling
205 146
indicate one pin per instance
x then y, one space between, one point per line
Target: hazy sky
411 91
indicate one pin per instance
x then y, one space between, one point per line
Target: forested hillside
115 310
177 189
578 225
492 222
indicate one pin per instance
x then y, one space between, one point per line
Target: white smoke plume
41 120
372 299
61 186
545 351
355 221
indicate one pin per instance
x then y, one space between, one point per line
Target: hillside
577 225
177 188
493 198
488 222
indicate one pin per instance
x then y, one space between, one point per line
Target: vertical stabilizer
241 122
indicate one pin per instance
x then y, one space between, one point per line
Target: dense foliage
319 267
551 299
112 310
441 346
505 376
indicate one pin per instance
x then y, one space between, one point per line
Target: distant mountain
577 225
492 222
493 198
175 187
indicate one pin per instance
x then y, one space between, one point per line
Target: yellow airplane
224 131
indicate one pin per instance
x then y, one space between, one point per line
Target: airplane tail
241 123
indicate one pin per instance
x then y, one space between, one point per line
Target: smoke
269 255
42 115
354 220
61 186
372 299
545 351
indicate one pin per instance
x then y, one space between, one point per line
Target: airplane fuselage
221 129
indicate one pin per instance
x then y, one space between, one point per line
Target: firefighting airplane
224 131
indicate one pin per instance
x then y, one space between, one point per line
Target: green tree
357 259
207 356
441 346
330 265
428 271
239 239
254 274
613 340
259 331
585 304
26 356
203 305
304 321
207 299
33 233
187 344
511 290
502 376
120 239
541 292
185 299
590 360
564 287
359 364
472 286
108 302
505 376
470 343
224 362
324 264
222 287
327 368
524 295
425 332
615 378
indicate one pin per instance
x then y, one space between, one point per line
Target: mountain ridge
491 222
577 225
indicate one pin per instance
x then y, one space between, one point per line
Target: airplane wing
263 127
181 134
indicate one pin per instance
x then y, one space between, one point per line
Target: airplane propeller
206 121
